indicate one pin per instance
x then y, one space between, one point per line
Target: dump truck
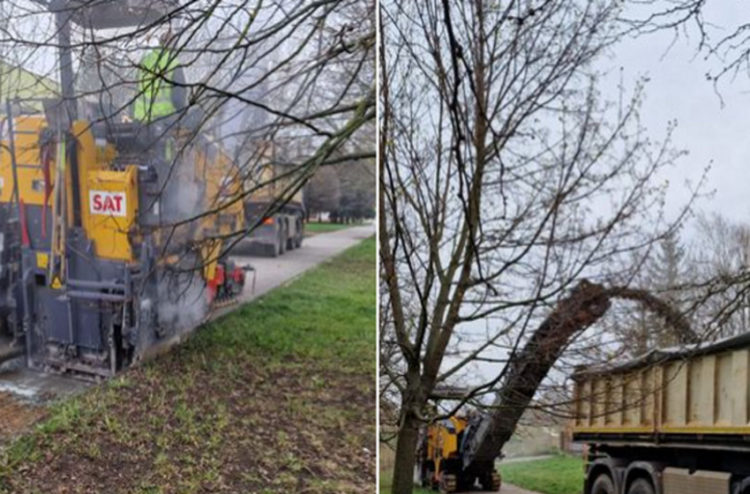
673 421
274 211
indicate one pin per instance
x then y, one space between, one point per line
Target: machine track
448 483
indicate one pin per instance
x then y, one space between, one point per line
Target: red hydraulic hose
24 228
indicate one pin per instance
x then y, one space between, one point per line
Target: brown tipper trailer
674 421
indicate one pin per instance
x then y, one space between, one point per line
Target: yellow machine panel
442 438
31 185
440 459
112 207
90 158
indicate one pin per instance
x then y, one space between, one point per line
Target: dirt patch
16 416
200 422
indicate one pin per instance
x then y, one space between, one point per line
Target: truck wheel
289 239
742 487
271 250
282 242
641 486
603 485
300 233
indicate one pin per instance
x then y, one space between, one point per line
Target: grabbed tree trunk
587 303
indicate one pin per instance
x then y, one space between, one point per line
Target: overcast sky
711 128
678 89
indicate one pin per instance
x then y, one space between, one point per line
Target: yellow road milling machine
111 233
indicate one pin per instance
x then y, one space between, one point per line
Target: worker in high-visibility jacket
161 90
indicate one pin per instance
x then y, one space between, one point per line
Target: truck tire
603 485
641 486
290 245
742 487
300 233
282 241
273 249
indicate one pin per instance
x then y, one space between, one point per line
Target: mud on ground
251 425
277 397
16 415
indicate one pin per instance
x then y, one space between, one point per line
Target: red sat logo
109 203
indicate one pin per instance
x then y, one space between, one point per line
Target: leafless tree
727 46
505 180
666 273
721 254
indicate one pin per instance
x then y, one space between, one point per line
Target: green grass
561 474
327 315
315 227
293 371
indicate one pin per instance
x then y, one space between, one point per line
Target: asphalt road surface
271 272
23 391
504 489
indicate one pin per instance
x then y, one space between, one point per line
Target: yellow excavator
442 453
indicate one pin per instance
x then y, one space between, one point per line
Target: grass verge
315 227
278 396
560 474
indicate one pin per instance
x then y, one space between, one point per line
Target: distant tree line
676 269
346 193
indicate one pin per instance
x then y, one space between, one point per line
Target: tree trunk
406 452
586 304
